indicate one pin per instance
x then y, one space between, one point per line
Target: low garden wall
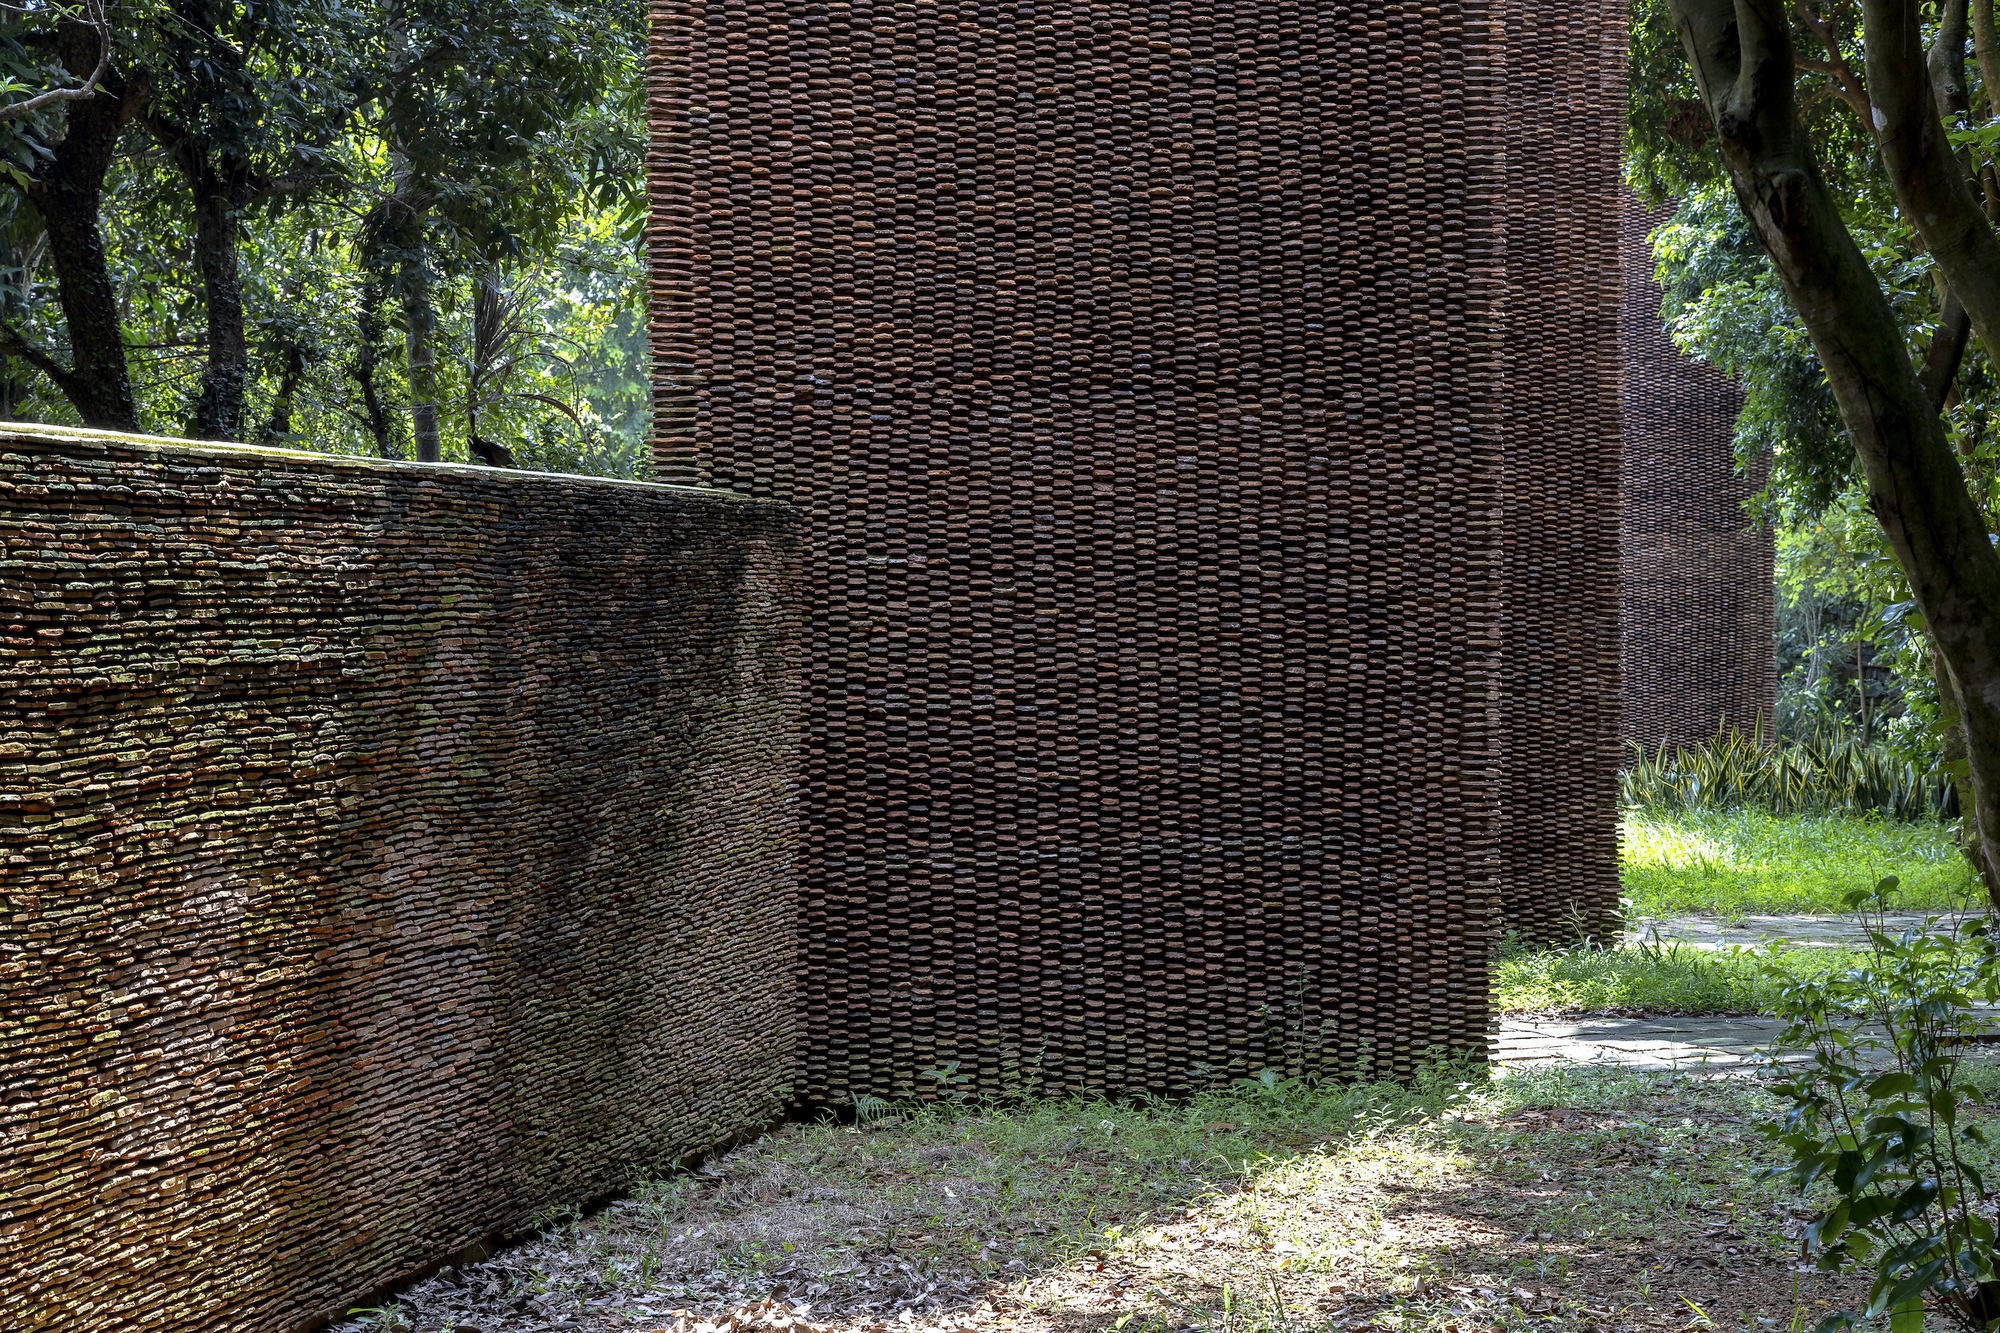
390 853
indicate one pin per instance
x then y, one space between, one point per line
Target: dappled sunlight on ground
1566 1199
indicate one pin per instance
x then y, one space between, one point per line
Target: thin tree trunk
1951 734
68 191
278 427
1742 58
1861 685
18 384
367 366
373 247
1986 49
420 334
220 412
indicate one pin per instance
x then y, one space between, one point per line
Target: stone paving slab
1703 1044
1801 931
1707 1043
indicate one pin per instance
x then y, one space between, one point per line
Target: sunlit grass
1665 980
1746 862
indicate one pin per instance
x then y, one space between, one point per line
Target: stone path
1687 1045
1807 932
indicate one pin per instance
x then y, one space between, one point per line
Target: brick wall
1134 370
1698 576
391 852
1558 412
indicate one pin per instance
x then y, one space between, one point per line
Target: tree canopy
402 227
1725 305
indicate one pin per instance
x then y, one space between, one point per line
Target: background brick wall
1135 374
1698 577
1558 411
391 852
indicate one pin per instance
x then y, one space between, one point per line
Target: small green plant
869 1109
1873 1117
382 1319
951 1085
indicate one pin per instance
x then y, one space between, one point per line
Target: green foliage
1723 305
1844 617
1747 861
1825 771
1874 1115
506 142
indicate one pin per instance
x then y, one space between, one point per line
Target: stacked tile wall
1698 574
1136 371
1560 419
390 853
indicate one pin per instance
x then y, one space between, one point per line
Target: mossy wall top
390 852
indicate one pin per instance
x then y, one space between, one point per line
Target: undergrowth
1826 770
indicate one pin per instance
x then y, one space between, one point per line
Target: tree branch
96 18
1839 74
1930 182
1946 352
14 342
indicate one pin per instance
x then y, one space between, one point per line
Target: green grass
1558 1201
1746 862
1733 864
1672 979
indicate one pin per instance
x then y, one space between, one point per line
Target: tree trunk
220 412
1951 734
373 256
1986 47
420 334
68 191
278 428
1742 59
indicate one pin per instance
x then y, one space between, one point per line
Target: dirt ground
1566 1199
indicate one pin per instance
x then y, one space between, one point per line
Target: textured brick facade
390 853
1558 411
1136 370
1698 576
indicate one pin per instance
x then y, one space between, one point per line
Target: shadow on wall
400 851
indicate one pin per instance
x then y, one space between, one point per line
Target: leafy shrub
1825 770
1874 1117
